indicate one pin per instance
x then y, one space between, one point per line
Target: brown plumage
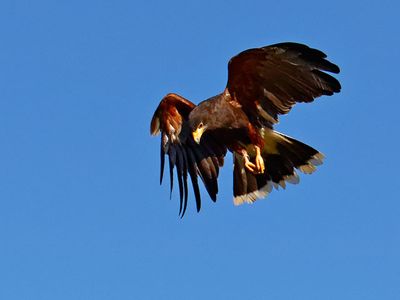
263 83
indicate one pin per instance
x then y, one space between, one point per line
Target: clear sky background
82 215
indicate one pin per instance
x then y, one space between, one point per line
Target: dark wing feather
204 160
268 81
193 176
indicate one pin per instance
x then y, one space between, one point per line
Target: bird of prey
263 83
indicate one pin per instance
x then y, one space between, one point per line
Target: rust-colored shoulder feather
169 113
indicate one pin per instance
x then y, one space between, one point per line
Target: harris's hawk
263 83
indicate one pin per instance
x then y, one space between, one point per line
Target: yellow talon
259 161
247 163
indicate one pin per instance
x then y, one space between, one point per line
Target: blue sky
81 213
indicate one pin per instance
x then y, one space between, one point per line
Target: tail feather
282 156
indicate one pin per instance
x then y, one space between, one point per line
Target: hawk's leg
260 167
258 143
247 163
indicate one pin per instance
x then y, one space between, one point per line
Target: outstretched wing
171 119
268 81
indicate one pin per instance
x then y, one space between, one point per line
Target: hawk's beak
198 133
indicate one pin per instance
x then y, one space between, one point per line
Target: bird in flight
263 83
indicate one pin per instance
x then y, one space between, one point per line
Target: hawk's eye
200 125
